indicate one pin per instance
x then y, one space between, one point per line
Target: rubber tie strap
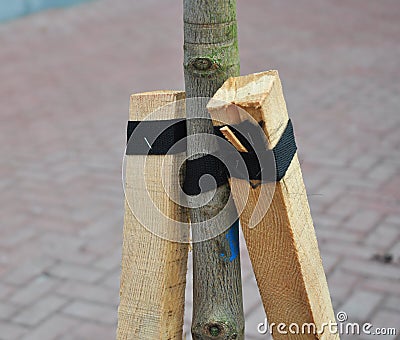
161 137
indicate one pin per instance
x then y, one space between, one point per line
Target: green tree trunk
211 56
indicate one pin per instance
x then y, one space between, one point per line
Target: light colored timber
282 246
230 136
153 269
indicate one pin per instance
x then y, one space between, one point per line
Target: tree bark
210 57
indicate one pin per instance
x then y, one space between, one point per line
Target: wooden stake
211 56
153 269
283 247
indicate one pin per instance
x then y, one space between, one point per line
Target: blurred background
66 76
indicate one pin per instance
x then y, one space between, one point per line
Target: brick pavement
67 76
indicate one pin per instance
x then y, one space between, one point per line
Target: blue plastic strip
233 239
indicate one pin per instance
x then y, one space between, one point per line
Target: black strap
197 168
284 151
261 165
156 137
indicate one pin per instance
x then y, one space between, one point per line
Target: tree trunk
211 56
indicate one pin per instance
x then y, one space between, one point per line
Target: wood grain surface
153 275
282 246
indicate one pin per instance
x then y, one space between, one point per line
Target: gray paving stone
52 328
42 309
75 272
386 321
34 290
10 331
361 304
91 330
7 310
28 270
372 269
393 303
88 292
92 311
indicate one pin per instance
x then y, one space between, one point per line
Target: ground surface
66 80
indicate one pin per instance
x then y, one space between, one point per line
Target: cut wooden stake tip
230 136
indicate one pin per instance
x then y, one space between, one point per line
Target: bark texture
211 56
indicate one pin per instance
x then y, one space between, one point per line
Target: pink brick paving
66 80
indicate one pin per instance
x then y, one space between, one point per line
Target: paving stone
393 303
381 285
329 261
91 330
392 218
109 261
10 331
386 319
92 311
52 328
75 272
42 309
14 237
382 172
6 290
384 236
351 249
65 247
339 235
361 304
88 292
363 220
34 290
372 269
365 161
111 279
343 208
28 270
7 310
395 251
341 284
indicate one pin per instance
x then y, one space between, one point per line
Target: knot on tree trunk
215 330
